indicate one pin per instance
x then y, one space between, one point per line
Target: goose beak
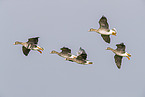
92 30
90 63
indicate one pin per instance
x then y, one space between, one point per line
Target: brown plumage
31 44
119 54
65 52
104 29
81 57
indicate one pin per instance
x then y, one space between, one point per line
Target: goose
81 58
31 44
104 29
65 53
119 54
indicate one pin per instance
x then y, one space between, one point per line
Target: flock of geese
81 57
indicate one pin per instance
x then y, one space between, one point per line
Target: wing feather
103 22
118 60
106 38
33 40
25 50
65 50
121 47
81 54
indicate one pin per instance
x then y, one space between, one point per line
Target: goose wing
65 50
121 47
103 23
118 60
106 38
25 50
81 55
33 40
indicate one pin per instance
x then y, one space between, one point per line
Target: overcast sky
61 23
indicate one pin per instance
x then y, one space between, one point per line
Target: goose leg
128 58
39 51
40 48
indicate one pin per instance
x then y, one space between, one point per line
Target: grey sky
61 23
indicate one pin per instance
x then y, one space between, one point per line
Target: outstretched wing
103 22
81 54
65 50
25 50
106 38
33 40
118 60
121 47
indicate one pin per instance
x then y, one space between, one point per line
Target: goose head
17 42
92 30
53 52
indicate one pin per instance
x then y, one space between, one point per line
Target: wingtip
119 67
120 44
103 16
26 54
36 37
107 42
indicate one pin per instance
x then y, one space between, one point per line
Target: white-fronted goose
81 58
104 29
31 44
119 53
65 53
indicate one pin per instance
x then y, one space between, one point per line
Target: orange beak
90 63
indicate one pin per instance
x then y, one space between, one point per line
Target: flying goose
81 58
31 44
65 53
119 53
104 29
